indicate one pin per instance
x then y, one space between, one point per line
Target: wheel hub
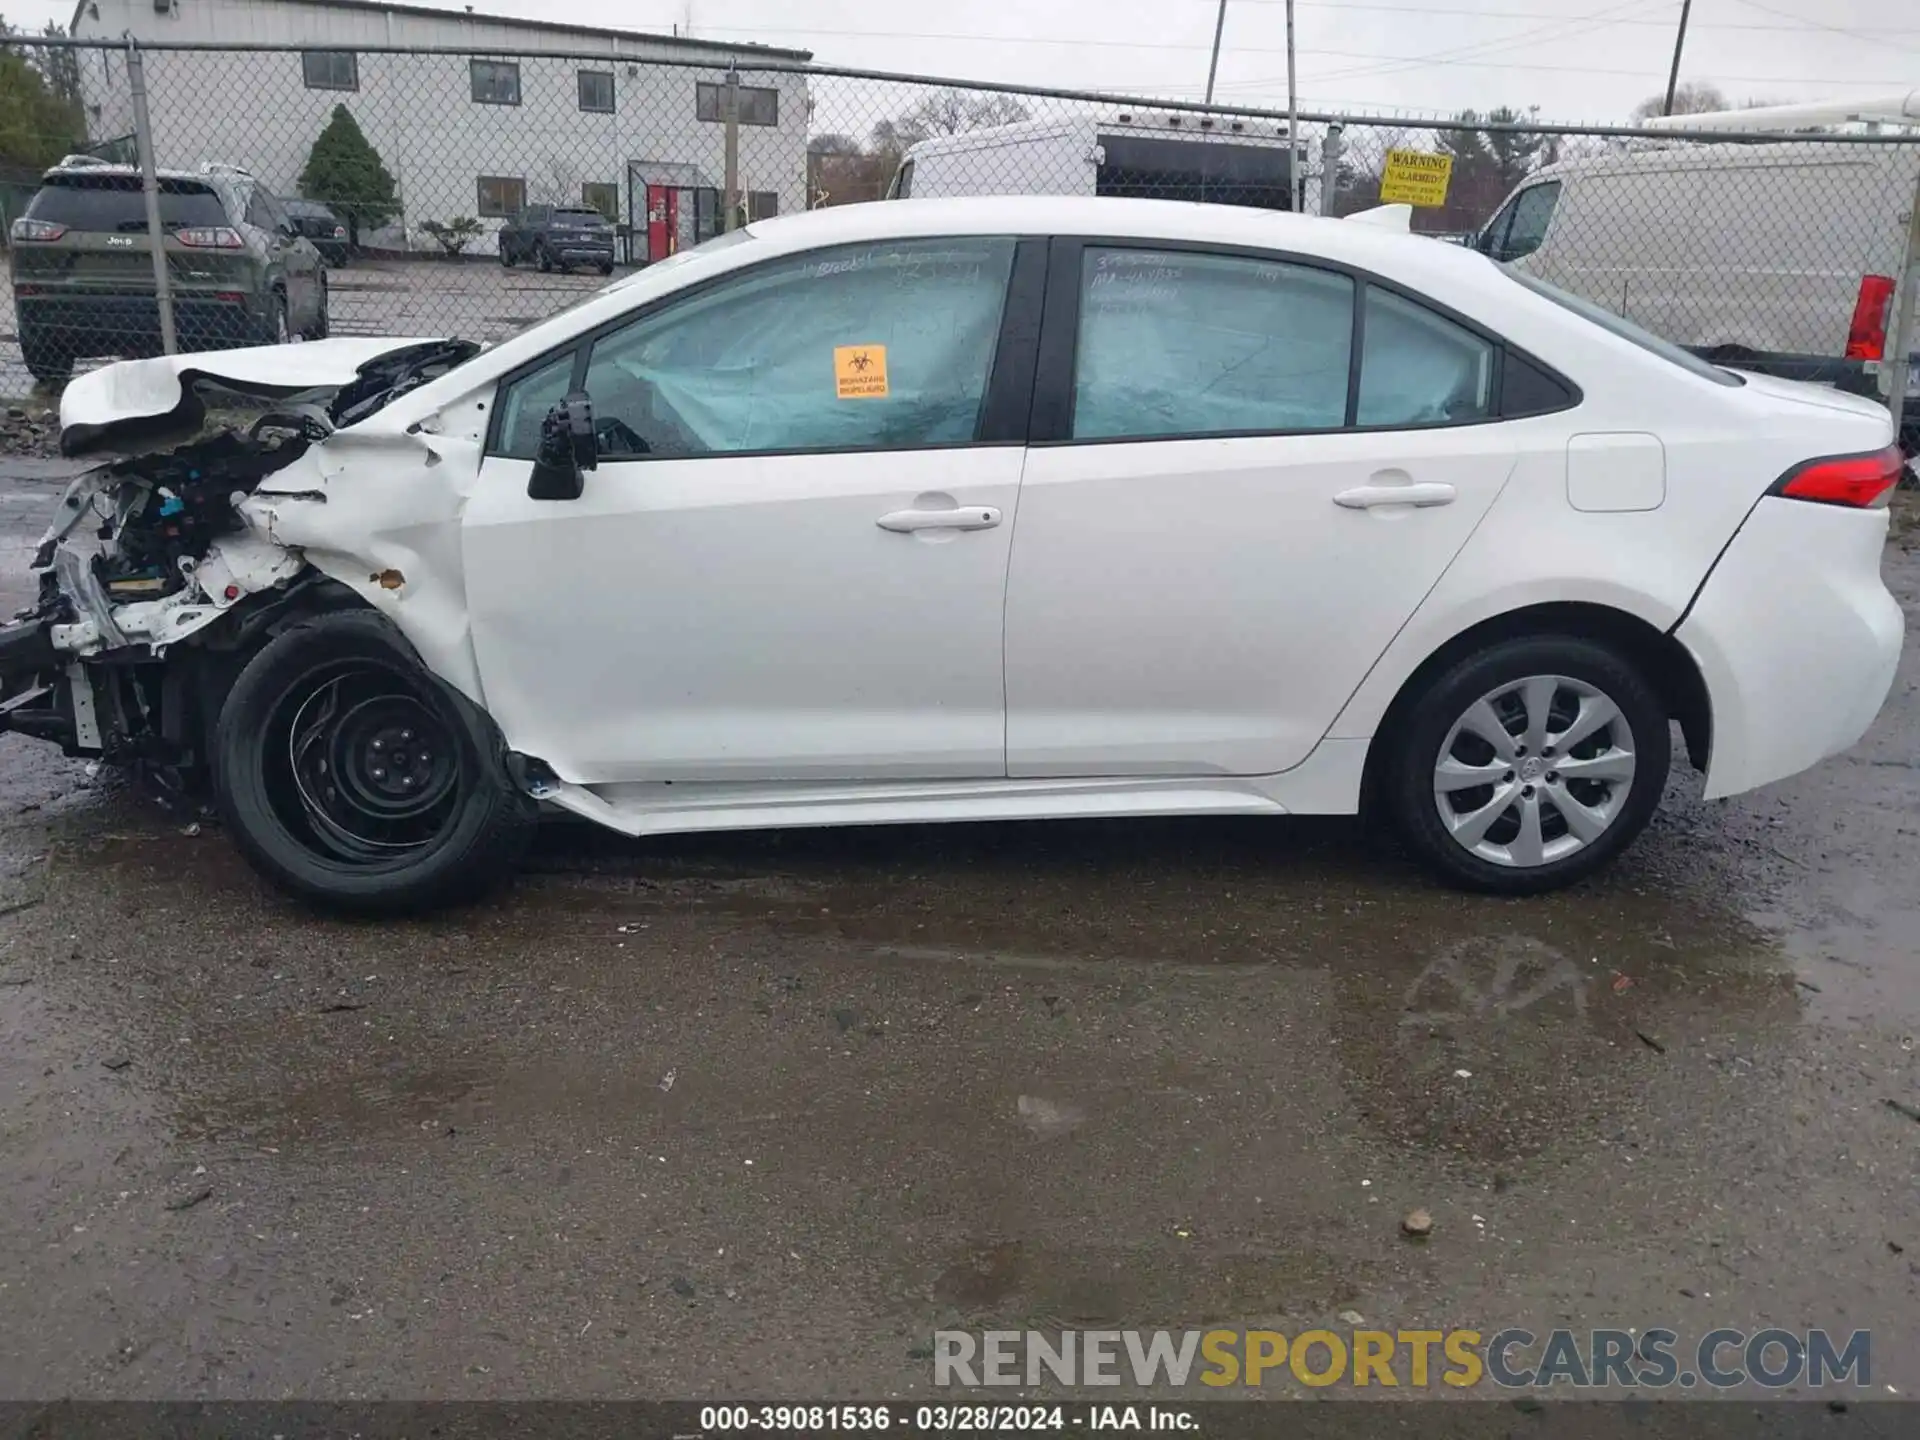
1534 771
374 768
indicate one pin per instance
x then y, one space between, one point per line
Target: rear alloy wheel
543 258
1531 764
354 778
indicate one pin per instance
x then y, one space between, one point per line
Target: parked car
1144 156
1777 258
320 225
83 281
1310 516
558 236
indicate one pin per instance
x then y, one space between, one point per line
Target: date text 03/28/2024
943 1419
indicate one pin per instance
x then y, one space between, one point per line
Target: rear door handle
962 517
1371 497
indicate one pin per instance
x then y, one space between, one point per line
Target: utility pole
1293 121
1213 65
1679 41
730 112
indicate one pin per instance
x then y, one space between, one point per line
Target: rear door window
1176 343
116 203
1419 368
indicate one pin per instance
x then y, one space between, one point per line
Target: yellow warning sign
1415 177
860 371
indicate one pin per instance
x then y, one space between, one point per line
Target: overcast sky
1575 59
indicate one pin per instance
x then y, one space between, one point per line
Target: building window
763 204
502 195
596 91
495 82
330 69
758 105
604 198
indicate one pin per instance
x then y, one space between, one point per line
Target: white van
1778 258
1169 156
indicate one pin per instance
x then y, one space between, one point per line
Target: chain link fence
429 193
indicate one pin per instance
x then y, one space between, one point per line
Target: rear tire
322 321
506 255
46 362
1483 784
543 259
350 776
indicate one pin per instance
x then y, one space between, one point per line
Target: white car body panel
1129 654
1797 639
156 388
825 671
767 627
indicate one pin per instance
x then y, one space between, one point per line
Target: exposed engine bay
151 553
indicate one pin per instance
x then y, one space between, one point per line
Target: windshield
1625 329
115 202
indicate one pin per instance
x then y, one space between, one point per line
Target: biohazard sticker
860 371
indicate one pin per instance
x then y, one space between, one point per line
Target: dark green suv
83 266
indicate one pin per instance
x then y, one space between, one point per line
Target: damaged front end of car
163 570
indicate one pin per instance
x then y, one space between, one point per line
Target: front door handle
962 517
1371 497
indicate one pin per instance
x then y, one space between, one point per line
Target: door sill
1328 782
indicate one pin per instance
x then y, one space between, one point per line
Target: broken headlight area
145 553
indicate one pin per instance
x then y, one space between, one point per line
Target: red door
663 205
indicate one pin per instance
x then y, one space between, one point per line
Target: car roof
121 172
1132 221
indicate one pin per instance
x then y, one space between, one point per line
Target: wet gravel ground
752 1115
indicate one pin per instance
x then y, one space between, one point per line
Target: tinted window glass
883 346
115 202
1418 368
526 402
1626 330
1526 389
1180 344
1529 215
591 219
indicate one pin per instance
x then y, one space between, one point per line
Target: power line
1664 24
1877 39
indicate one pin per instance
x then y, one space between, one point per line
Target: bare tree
1696 97
557 184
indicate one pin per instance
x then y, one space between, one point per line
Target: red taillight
209 237
1867 334
339 232
230 297
25 229
1858 481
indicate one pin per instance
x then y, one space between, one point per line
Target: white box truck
1165 156
1780 258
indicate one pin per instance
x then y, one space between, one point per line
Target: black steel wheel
350 775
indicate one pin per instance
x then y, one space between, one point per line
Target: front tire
350 776
1529 765
544 258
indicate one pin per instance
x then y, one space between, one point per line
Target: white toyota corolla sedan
968 510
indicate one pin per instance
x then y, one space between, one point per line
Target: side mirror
567 451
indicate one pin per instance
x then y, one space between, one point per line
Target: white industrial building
630 122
